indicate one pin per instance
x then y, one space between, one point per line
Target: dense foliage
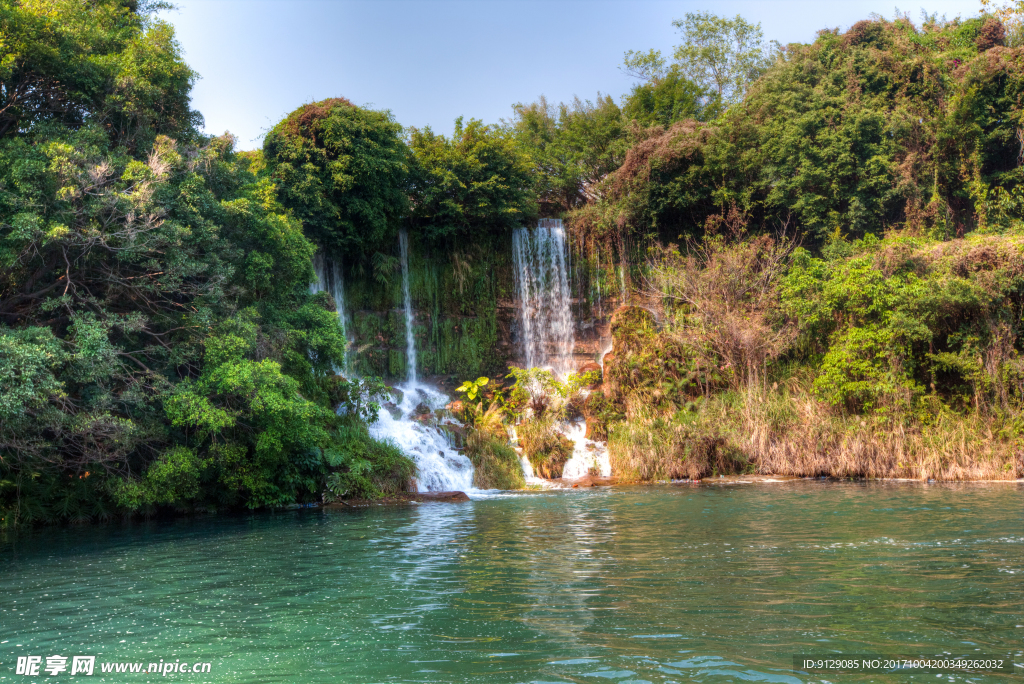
889 343
343 171
474 183
887 124
158 342
830 240
571 151
898 357
107 64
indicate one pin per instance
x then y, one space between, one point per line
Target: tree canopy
477 180
570 148
884 124
102 63
159 345
343 171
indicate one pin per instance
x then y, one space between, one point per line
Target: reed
786 430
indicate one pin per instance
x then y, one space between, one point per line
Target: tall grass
546 449
787 430
496 464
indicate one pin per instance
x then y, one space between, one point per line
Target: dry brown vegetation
730 381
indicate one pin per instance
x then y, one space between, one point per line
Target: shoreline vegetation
809 260
818 378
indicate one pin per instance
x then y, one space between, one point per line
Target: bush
546 449
496 464
367 468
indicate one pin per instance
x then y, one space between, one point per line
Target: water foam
586 454
440 467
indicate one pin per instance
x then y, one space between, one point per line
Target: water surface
719 583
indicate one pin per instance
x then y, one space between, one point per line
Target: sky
430 61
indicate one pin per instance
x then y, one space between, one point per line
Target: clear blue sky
429 61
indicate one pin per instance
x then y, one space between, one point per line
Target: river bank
588 482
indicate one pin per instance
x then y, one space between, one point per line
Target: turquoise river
704 583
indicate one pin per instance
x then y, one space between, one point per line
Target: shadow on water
659 584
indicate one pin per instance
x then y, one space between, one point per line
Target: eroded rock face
445 497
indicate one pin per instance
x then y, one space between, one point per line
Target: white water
440 468
586 454
331 279
604 352
541 258
410 340
542 281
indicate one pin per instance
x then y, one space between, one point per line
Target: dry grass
788 431
546 449
496 464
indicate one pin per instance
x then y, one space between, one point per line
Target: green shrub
545 448
496 464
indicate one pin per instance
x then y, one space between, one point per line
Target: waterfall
331 279
588 456
542 266
411 422
410 340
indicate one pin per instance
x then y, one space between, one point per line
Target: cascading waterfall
410 340
543 268
411 424
331 279
439 467
588 457
542 265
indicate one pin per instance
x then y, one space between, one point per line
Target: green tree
108 63
343 171
476 181
722 55
158 342
886 124
667 98
571 150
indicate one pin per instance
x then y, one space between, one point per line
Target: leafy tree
857 132
667 98
720 54
343 171
474 182
107 63
645 66
158 342
572 151
714 66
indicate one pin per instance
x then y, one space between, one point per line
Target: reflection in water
660 584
